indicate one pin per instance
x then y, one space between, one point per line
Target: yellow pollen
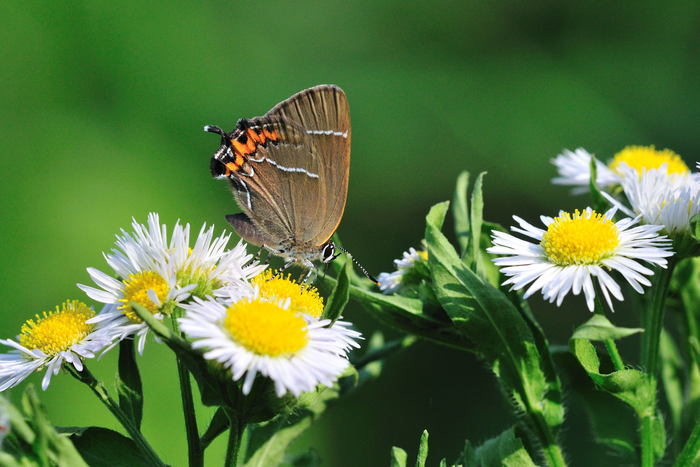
581 238
136 288
423 254
56 331
265 328
648 157
303 299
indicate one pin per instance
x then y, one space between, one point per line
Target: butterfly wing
323 114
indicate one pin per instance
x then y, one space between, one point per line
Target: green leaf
629 385
219 423
102 447
128 383
268 441
505 450
476 214
398 457
460 212
599 328
48 444
422 450
340 295
672 369
612 422
598 201
489 319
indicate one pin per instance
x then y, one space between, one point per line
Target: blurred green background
103 105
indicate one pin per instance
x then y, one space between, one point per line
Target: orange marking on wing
252 145
238 161
232 167
239 147
253 136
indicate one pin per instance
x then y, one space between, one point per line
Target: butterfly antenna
362 268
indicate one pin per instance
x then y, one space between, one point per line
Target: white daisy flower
574 167
254 336
160 273
208 265
390 282
576 248
661 198
65 335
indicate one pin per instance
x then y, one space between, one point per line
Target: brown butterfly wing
316 205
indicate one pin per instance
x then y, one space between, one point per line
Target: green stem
234 442
195 452
86 377
615 357
653 323
691 451
610 344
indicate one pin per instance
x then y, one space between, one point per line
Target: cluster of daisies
654 196
237 311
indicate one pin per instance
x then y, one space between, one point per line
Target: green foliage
128 383
340 295
599 328
496 329
32 439
101 447
504 450
613 423
599 202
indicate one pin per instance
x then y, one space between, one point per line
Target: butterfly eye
328 253
218 169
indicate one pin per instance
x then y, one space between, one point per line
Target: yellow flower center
136 288
647 157
423 254
56 331
581 238
303 299
265 328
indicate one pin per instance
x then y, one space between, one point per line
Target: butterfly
288 172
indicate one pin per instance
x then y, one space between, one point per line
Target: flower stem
653 323
86 377
195 452
610 345
234 441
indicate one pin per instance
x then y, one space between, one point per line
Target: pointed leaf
460 212
101 447
599 328
268 441
219 424
340 295
398 457
486 316
129 383
476 215
504 450
599 202
422 450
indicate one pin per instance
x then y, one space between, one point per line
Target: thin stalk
87 378
653 323
195 452
610 344
234 442
690 452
